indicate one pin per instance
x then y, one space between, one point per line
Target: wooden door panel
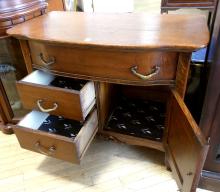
185 145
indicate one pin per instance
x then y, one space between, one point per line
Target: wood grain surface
107 65
73 104
185 145
126 30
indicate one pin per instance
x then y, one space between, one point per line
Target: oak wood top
124 30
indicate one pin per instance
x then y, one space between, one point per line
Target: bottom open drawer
55 136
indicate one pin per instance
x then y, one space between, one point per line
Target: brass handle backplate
154 71
39 104
46 151
47 63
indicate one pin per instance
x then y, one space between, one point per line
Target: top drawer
151 67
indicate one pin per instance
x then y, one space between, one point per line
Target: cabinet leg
6 129
167 163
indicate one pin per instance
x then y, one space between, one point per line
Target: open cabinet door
185 145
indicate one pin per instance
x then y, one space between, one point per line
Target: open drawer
56 136
70 98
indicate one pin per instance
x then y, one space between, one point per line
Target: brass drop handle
46 151
39 104
154 71
47 63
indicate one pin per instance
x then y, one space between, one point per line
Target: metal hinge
208 140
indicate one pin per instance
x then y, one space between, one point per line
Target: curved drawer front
57 95
141 67
34 133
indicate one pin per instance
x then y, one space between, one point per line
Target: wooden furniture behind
210 123
12 13
56 5
167 5
128 57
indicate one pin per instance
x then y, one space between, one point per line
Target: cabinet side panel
26 55
182 73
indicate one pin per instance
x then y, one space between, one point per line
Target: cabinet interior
134 110
43 78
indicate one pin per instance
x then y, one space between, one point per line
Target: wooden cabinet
138 69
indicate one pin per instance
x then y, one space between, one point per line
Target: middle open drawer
70 98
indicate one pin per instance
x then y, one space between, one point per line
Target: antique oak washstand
123 75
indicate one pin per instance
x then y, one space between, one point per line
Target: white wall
107 6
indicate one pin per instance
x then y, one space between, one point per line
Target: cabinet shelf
133 114
139 118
